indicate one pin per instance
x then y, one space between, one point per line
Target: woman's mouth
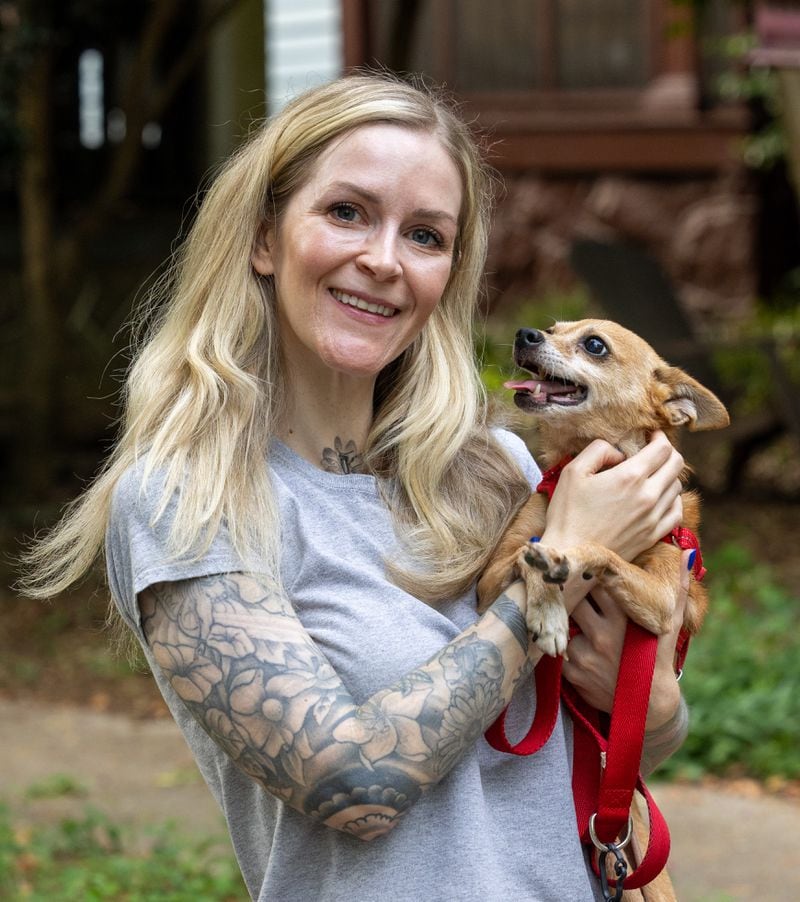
359 303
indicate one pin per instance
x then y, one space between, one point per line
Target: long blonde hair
205 389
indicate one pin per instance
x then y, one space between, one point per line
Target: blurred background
650 156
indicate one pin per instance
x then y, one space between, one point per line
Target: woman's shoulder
516 448
141 487
138 477
511 443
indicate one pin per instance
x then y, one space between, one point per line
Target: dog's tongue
540 387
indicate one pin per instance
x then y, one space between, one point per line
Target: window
522 46
567 85
602 44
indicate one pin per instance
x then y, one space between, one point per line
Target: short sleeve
137 544
514 445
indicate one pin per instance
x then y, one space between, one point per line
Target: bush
742 677
82 860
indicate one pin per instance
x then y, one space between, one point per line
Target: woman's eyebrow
370 197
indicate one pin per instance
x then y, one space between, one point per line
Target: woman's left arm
593 663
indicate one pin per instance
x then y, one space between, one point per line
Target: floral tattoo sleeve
237 655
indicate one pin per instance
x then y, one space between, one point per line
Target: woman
305 462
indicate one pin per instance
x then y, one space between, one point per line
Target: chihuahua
594 379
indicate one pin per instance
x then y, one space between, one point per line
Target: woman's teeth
361 304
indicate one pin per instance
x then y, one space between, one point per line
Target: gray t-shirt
497 827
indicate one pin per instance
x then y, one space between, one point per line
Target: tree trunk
54 260
34 464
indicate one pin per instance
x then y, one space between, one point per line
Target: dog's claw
532 561
549 626
554 566
556 577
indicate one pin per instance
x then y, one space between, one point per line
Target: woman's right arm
237 655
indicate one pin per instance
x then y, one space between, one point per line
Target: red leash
602 795
603 791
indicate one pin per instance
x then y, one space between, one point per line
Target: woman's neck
327 420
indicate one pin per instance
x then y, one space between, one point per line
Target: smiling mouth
360 304
540 392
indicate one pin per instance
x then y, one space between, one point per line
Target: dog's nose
528 338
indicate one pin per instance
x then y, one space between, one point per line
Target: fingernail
692 556
534 539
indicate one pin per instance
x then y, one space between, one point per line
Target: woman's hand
594 654
625 505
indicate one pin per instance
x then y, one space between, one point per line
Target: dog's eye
595 346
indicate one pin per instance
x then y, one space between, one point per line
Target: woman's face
363 251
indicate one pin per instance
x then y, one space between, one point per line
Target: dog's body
593 379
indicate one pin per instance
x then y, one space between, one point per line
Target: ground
729 841
76 709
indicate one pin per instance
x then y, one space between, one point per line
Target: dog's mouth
542 392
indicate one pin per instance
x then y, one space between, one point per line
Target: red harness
603 794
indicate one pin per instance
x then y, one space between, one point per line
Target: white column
303 46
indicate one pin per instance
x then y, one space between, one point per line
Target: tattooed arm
238 656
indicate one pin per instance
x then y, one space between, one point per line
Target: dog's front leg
503 562
646 595
547 617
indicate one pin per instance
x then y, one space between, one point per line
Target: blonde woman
304 492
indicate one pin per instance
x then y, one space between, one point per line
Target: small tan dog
594 379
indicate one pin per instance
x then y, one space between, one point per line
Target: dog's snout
528 338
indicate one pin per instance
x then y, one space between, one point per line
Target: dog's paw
549 626
553 565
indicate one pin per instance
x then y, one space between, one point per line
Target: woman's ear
261 257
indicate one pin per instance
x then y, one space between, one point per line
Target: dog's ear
688 403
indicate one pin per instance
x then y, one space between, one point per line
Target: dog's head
596 379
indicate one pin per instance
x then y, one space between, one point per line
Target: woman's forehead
385 157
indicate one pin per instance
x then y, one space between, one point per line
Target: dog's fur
594 379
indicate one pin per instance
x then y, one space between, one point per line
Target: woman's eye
345 212
426 237
595 346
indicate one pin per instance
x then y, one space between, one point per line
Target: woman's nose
380 255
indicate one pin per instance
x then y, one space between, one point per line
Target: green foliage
744 365
767 145
741 82
742 677
92 859
55 786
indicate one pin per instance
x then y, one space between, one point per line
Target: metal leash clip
620 864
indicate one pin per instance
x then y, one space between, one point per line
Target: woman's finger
658 453
595 608
667 513
598 455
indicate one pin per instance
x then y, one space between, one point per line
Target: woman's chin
358 362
